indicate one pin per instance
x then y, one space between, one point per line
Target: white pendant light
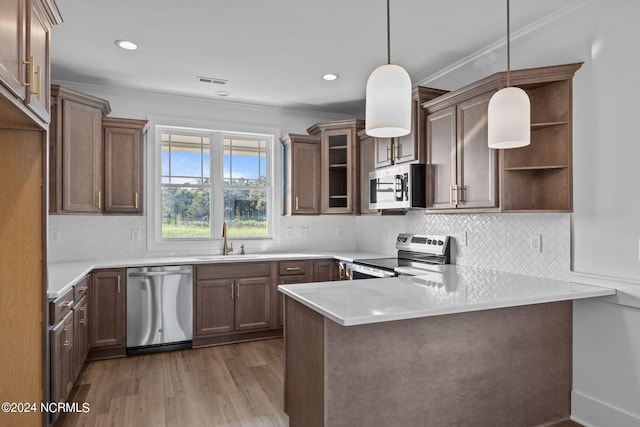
509 121
388 98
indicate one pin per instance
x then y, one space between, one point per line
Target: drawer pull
83 288
293 268
68 303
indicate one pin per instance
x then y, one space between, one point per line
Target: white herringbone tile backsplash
494 241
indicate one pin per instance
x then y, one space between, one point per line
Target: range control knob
440 243
429 241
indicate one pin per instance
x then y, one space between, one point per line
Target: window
246 185
207 177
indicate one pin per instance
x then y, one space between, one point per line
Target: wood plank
21 272
238 384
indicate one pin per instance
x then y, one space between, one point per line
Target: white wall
606 224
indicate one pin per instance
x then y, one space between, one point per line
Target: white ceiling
274 52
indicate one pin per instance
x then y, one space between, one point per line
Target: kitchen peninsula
459 346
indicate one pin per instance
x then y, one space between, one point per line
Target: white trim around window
212 244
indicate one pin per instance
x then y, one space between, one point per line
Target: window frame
155 242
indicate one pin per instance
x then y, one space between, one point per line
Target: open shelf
537 189
534 168
537 178
535 126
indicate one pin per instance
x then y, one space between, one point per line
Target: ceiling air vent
211 80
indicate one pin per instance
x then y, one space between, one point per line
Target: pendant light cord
508 47
388 36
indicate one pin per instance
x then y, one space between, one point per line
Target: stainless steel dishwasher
159 308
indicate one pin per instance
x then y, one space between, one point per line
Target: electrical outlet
135 234
303 232
340 232
535 243
290 232
54 235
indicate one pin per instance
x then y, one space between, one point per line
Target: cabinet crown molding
340 124
494 82
58 91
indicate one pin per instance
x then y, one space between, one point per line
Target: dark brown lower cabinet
232 302
291 272
81 335
288 280
325 270
107 313
215 307
252 303
61 336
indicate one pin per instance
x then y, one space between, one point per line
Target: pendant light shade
509 115
509 120
388 105
388 98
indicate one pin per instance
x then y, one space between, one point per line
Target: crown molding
484 55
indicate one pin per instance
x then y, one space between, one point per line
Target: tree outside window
188 181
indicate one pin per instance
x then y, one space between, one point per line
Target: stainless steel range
417 253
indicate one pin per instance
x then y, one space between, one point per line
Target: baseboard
592 412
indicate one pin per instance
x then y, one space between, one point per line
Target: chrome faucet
226 250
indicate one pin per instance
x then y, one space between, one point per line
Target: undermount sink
225 257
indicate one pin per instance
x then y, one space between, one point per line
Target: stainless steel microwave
398 187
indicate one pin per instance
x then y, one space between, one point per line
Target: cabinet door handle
237 290
67 342
297 203
461 190
389 154
231 289
33 83
29 65
293 268
451 194
136 205
38 91
118 281
340 272
99 196
396 148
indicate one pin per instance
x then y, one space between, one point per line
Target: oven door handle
371 272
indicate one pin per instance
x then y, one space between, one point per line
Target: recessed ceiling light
126 44
222 93
331 76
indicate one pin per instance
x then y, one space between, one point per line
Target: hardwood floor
231 385
238 385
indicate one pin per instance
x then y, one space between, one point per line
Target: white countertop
66 274
455 289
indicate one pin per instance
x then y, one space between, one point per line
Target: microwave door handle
406 187
399 188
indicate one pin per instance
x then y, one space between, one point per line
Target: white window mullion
217 179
